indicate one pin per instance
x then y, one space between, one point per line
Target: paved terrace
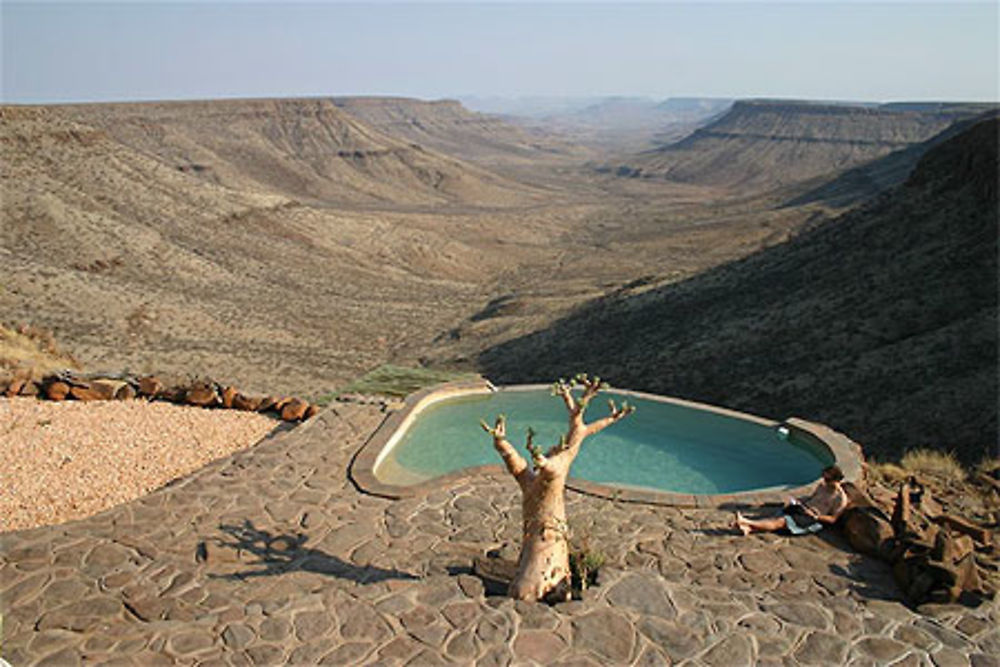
272 556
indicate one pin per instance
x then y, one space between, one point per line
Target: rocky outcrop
935 557
200 392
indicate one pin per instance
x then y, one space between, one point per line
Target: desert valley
831 261
834 262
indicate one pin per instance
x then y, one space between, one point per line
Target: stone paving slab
272 556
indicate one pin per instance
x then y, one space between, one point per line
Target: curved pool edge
846 453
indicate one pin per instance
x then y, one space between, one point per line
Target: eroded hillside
882 323
448 127
769 144
306 149
136 260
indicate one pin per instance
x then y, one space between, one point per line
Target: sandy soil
64 461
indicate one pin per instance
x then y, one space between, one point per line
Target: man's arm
839 505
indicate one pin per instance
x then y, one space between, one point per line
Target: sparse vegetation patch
397 381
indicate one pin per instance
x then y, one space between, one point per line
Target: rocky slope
868 179
767 144
167 237
306 149
448 127
881 323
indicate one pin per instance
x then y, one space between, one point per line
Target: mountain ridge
765 144
881 322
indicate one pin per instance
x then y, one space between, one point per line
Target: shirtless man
823 507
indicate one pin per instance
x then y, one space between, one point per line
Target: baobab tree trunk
543 570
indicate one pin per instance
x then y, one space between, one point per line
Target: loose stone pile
201 392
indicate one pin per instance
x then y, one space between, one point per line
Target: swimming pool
667 448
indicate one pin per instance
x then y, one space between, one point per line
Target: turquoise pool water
661 446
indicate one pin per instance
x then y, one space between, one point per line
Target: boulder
228 395
113 388
174 394
868 530
203 395
294 410
150 386
267 403
94 391
125 392
57 390
248 403
312 411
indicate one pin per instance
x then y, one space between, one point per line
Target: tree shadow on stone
870 578
278 553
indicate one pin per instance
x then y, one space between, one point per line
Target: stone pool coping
846 453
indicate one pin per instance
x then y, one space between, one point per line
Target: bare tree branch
617 414
516 465
565 390
590 389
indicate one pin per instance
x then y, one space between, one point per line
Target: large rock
868 530
101 390
228 396
150 386
268 403
57 390
202 394
248 403
294 410
87 392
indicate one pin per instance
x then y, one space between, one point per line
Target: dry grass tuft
926 464
32 350
933 463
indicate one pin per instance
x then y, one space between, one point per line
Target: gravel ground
67 460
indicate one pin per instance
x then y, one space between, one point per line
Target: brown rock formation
150 386
248 403
57 390
294 410
203 395
228 394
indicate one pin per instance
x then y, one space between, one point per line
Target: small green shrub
585 561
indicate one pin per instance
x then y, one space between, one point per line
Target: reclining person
809 515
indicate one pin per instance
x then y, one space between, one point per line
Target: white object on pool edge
783 432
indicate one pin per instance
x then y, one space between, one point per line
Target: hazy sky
83 51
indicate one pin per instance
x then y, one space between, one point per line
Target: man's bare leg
747 526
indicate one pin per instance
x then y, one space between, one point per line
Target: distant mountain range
619 124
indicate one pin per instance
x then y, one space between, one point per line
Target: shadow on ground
280 553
